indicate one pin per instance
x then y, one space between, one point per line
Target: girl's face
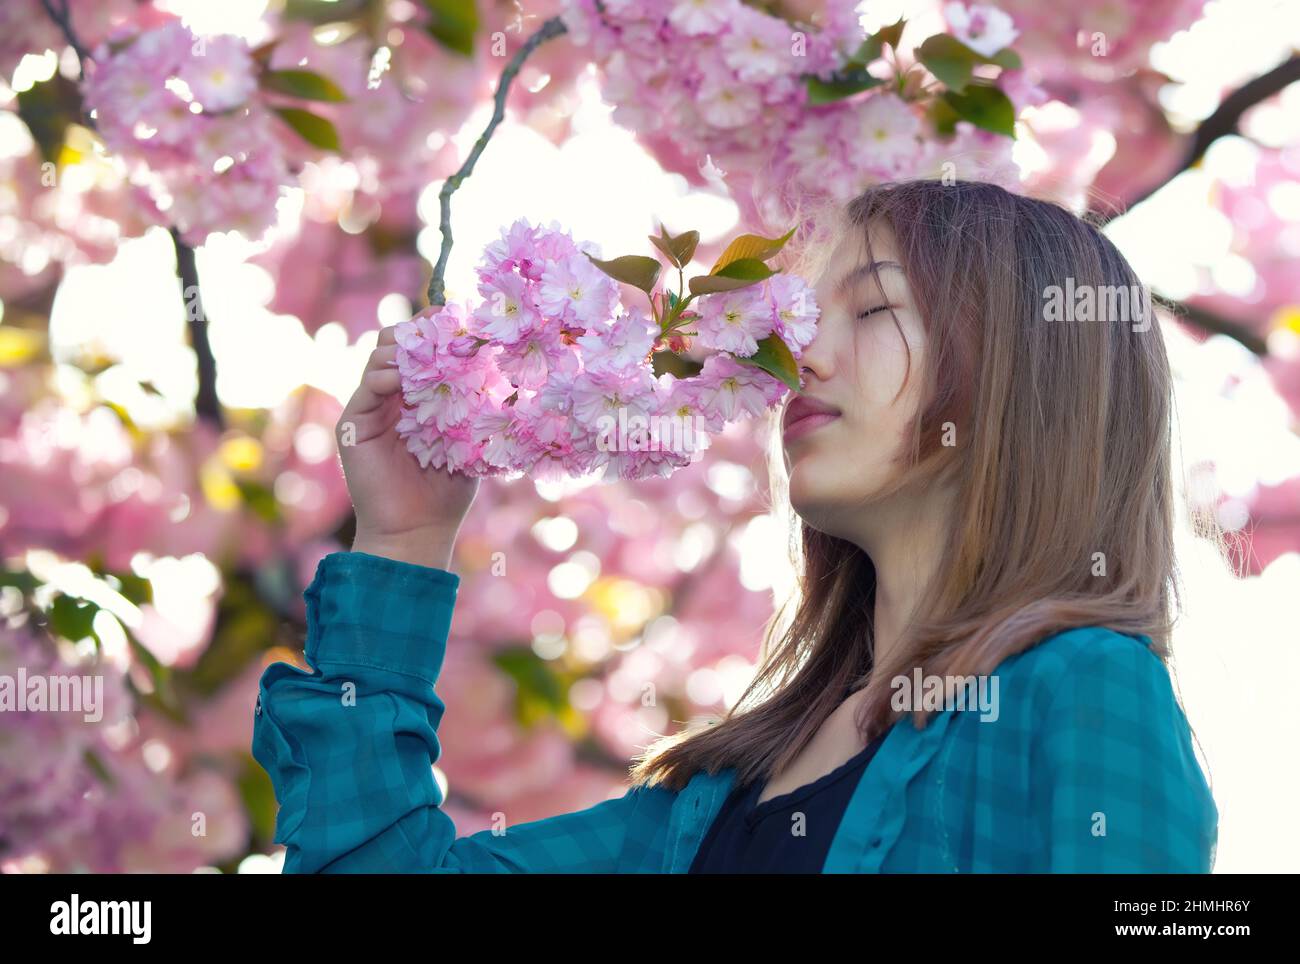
842 436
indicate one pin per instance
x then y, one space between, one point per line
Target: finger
388 335
384 382
357 429
381 358
376 387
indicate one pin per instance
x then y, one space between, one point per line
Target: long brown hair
1063 451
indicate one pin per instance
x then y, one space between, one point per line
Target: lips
805 414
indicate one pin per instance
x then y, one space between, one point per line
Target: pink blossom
725 100
735 321
984 29
597 395
576 292
758 46
529 361
796 310
886 133
511 309
730 389
694 17
623 345
220 73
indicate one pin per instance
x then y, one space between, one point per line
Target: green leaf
47 108
96 766
135 588
943 116
246 626
303 84
73 618
679 249
262 54
164 698
775 358
738 274
667 361
325 11
636 270
453 24
312 128
21 579
892 34
985 107
1007 59
541 691
258 795
843 84
746 269
260 499
953 62
948 59
874 45
751 247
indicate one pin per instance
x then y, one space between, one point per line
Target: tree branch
1215 324
1222 122
553 27
206 403
63 20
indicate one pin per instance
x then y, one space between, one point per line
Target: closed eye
872 311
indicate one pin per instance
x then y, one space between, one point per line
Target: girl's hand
404 512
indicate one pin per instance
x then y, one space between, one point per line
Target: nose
815 360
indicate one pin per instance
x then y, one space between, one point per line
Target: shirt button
875 843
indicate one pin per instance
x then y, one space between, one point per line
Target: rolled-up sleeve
350 746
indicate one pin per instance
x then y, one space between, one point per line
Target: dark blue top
748 837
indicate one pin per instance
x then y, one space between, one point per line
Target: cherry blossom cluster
718 90
551 376
182 112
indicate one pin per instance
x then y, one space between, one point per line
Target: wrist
423 547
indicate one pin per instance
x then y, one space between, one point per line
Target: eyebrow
848 280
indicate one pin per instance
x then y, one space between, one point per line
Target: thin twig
553 27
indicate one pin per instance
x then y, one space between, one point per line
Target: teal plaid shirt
1089 766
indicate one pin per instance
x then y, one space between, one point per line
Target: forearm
350 746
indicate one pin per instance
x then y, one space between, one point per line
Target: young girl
974 678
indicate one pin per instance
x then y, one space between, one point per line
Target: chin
809 495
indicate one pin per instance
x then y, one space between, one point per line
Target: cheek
861 454
887 395
881 367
